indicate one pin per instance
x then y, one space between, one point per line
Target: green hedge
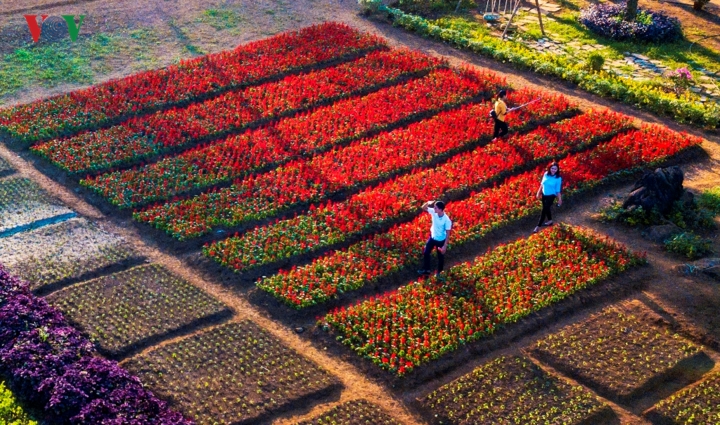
684 109
10 412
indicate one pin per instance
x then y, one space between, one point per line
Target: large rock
662 232
657 190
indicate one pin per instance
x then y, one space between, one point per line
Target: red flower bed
362 162
420 322
301 135
98 105
179 127
400 197
369 260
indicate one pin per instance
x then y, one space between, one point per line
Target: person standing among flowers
499 112
550 187
439 235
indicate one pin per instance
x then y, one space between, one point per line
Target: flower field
358 165
248 64
24 204
234 373
177 128
384 253
62 253
305 134
402 329
694 405
334 222
304 158
51 366
513 390
356 412
129 308
587 351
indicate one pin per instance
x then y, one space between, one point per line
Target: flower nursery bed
57 255
49 365
620 355
344 170
5 168
187 81
175 129
420 322
233 374
513 390
24 205
366 262
303 135
337 222
695 405
129 310
356 412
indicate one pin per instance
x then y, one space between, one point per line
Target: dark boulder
657 190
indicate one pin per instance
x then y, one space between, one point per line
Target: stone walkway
633 65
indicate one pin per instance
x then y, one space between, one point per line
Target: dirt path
668 292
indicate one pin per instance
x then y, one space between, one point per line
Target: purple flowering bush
47 363
606 19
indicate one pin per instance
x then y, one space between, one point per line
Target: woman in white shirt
550 187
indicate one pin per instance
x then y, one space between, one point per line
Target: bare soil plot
133 308
356 412
23 205
699 404
513 390
623 356
66 252
233 374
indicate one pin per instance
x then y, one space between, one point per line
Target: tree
631 10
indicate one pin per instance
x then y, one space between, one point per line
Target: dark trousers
432 243
547 201
501 128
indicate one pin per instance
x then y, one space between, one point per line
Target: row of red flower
365 161
139 93
178 127
400 197
306 134
421 321
382 254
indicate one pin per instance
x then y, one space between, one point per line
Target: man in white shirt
439 235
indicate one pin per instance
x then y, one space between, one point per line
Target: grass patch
222 19
51 64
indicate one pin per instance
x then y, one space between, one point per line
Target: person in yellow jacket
501 127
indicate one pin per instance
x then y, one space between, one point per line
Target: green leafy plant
10 412
595 61
689 244
710 200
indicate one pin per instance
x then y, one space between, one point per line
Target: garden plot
5 167
61 253
621 355
133 307
356 412
696 405
513 390
23 205
233 374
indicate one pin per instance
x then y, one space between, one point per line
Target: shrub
606 19
689 244
595 61
710 200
